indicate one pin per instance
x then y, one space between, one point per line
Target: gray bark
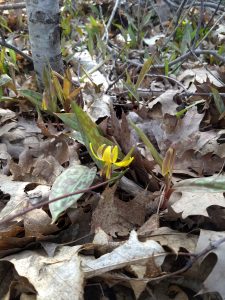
44 34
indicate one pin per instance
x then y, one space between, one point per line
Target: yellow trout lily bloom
109 155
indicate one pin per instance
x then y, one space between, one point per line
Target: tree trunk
44 34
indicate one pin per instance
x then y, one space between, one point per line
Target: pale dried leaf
18 198
168 105
192 204
59 277
200 75
6 114
131 252
215 280
138 287
174 239
37 223
183 134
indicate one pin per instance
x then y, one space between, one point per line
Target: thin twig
21 5
168 78
183 57
3 43
12 6
213 245
179 11
206 4
206 68
200 21
106 34
211 29
201 94
213 15
42 203
172 34
193 259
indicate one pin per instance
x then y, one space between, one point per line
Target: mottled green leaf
77 136
166 67
69 119
58 88
32 96
71 180
210 184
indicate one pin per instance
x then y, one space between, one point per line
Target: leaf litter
144 86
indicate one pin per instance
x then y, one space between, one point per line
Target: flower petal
107 155
92 151
100 150
124 163
114 154
128 154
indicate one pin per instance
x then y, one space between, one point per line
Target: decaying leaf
200 75
131 252
37 223
59 277
18 200
175 240
168 105
213 282
117 217
194 204
99 107
149 226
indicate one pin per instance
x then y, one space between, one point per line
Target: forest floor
112 179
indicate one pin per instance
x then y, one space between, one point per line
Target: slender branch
169 79
12 6
213 245
117 3
201 94
206 4
213 15
183 57
3 43
200 22
193 259
206 68
179 11
179 19
19 5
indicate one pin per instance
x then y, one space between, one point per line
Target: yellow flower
109 155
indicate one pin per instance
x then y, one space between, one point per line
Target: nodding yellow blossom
109 155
